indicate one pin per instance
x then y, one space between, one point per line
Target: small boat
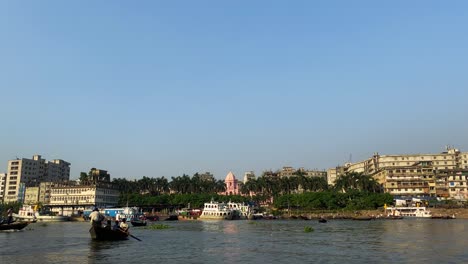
172 218
322 220
101 233
13 226
138 222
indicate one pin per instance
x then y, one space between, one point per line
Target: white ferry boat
411 211
218 211
27 213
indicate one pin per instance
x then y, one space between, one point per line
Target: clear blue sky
161 88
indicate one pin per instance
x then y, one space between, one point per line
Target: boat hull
42 218
104 234
138 223
14 226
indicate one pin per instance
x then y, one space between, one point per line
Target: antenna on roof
350 158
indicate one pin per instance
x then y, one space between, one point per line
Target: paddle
135 237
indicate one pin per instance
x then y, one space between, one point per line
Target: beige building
30 172
290 171
31 195
440 174
74 197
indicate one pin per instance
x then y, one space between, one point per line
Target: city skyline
162 89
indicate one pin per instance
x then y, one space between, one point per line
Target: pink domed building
232 187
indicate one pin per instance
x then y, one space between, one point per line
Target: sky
162 88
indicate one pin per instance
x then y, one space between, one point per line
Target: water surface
345 241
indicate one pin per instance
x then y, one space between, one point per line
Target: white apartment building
30 172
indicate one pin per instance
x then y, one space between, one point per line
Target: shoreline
460 213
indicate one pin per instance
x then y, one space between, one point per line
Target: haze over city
161 89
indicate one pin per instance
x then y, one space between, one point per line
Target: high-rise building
30 172
2 185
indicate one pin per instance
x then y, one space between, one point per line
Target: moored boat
29 214
138 222
218 211
410 211
102 233
14 226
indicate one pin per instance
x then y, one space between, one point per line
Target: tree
84 179
357 181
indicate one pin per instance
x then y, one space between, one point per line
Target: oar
135 237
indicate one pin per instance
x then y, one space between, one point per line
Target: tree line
351 191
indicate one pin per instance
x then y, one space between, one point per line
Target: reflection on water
397 241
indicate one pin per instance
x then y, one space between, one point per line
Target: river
265 241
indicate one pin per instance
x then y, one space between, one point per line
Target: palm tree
357 181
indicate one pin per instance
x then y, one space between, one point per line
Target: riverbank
459 213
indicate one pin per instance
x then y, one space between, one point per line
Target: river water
265 241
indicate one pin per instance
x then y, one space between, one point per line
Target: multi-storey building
31 195
2 185
290 171
249 175
30 172
71 197
334 173
442 174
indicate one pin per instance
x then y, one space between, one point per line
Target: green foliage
308 229
352 191
357 181
331 200
4 207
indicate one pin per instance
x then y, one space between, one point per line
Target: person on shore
123 225
96 218
10 215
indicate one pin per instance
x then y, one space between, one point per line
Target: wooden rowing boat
101 233
14 226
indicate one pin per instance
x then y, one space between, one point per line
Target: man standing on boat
96 218
10 215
